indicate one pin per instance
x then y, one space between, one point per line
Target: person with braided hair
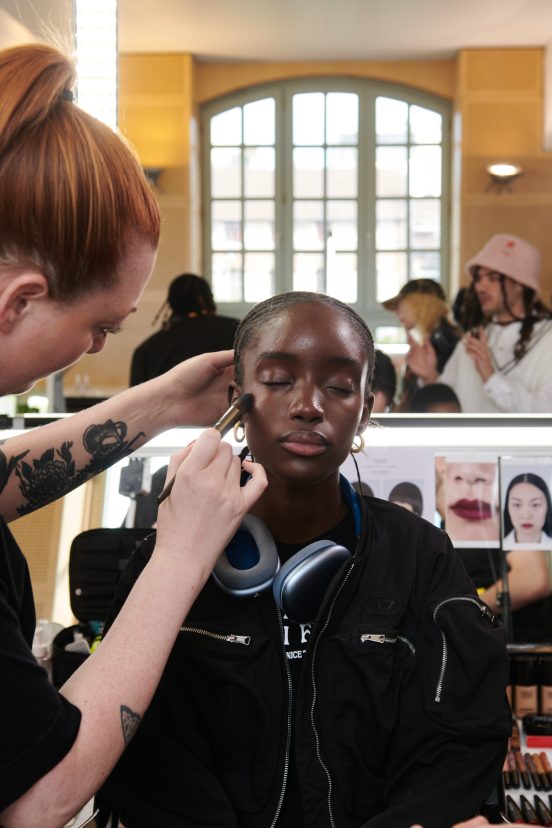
501 363
190 326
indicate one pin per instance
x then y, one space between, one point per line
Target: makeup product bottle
511 683
543 776
546 684
514 772
533 772
522 767
526 691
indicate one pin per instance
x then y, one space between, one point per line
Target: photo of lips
469 501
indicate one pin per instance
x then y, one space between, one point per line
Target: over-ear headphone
250 565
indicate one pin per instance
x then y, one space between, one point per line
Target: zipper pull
377 638
239 639
488 613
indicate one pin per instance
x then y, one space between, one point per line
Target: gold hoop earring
239 438
356 449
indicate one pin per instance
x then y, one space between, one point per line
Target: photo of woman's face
471 502
527 510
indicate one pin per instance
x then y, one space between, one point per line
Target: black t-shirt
296 637
184 338
37 725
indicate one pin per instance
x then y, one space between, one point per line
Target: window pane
391 121
308 118
308 173
258 122
226 128
308 225
342 276
225 172
341 118
426 127
425 171
424 266
308 272
226 230
259 225
391 171
258 276
259 172
390 334
342 173
391 274
425 223
342 224
390 224
227 277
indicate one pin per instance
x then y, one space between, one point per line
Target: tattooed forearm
129 723
54 473
8 466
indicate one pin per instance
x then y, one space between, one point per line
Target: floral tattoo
54 474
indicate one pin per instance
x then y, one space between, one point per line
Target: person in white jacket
502 362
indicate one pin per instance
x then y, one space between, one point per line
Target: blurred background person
435 398
502 362
190 326
384 384
422 309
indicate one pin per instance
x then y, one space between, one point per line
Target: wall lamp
501 175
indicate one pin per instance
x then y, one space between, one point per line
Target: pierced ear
366 412
17 295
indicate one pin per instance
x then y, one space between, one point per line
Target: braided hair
263 313
471 315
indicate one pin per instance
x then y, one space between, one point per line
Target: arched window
337 186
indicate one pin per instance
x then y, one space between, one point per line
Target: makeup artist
79 228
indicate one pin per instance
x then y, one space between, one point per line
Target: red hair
73 194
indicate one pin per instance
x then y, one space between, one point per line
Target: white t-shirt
524 387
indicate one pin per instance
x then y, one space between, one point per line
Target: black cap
428 286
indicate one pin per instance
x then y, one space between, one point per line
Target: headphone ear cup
300 585
249 562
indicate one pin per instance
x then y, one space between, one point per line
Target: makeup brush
230 417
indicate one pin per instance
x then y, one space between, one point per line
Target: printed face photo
526 506
470 503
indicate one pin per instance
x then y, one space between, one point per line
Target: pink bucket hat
512 256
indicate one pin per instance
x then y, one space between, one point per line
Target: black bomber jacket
400 716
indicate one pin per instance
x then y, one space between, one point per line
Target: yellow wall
500 99
498 103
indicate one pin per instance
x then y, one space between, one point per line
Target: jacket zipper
314 692
381 638
230 638
483 609
288 736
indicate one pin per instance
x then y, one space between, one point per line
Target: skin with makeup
471 508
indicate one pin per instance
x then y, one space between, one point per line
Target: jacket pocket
466 664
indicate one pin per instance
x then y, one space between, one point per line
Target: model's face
527 510
307 371
489 294
470 490
66 331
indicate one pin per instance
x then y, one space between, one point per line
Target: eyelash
106 331
276 383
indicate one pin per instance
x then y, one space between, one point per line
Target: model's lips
304 443
527 525
472 509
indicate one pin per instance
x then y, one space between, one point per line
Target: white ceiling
308 29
